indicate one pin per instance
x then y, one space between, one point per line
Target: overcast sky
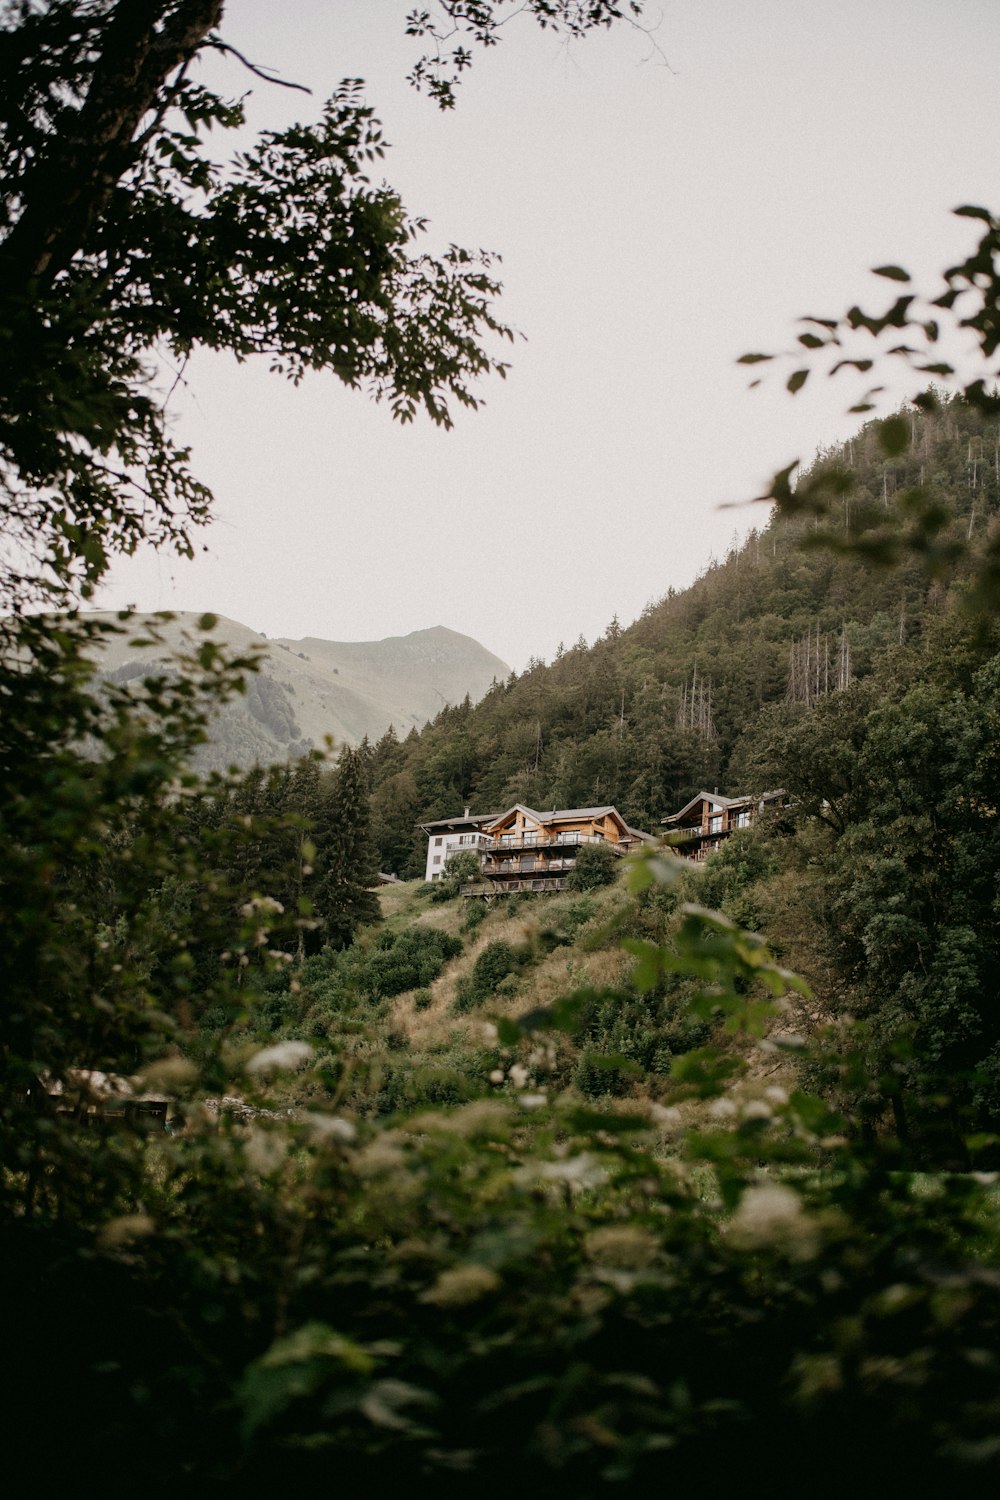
655 222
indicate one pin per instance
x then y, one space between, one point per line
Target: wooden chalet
523 851
703 823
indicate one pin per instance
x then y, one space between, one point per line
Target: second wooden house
703 823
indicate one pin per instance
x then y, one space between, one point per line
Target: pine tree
346 868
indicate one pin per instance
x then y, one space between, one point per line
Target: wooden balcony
494 867
567 840
523 885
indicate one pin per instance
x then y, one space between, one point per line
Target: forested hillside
572 1198
648 714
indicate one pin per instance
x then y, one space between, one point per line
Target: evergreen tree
341 893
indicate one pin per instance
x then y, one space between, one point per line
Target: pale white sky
655 223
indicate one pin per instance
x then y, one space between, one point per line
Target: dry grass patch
396 900
556 973
439 1023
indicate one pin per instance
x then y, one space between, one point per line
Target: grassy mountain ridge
305 690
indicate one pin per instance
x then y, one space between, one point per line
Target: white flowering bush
492 1281
529 1291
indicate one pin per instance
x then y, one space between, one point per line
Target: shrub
410 961
566 924
595 866
596 1075
475 916
491 968
458 868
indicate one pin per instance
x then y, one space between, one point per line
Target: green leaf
796 381
295 1367
706 1070
981 1142
892 273
654 868
781 485
653 960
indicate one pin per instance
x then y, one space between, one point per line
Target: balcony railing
524 886
474 841
570 839
494 866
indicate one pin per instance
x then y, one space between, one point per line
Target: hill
308 689
678 700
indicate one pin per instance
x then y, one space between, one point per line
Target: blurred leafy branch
949 335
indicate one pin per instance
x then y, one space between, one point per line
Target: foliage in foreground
524 1290
488 1278
521 1292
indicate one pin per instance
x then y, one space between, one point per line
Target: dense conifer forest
703 688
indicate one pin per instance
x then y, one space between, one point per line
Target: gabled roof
572 815
637 833
713 797
560 814
491 821
721 803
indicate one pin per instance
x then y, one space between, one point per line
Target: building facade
708 819
523 850
454 836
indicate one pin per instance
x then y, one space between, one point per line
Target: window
743 819
437 859
437 843
715 824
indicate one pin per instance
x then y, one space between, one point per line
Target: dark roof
469 820
576 814
559 814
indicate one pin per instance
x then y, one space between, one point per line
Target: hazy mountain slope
306 690
404 680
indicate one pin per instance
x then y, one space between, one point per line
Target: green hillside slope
648 714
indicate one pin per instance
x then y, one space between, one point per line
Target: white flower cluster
773 1215
522 1080
287 1057
666 1116
259 906
460 1285
264 1150
575 1172
329 1128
